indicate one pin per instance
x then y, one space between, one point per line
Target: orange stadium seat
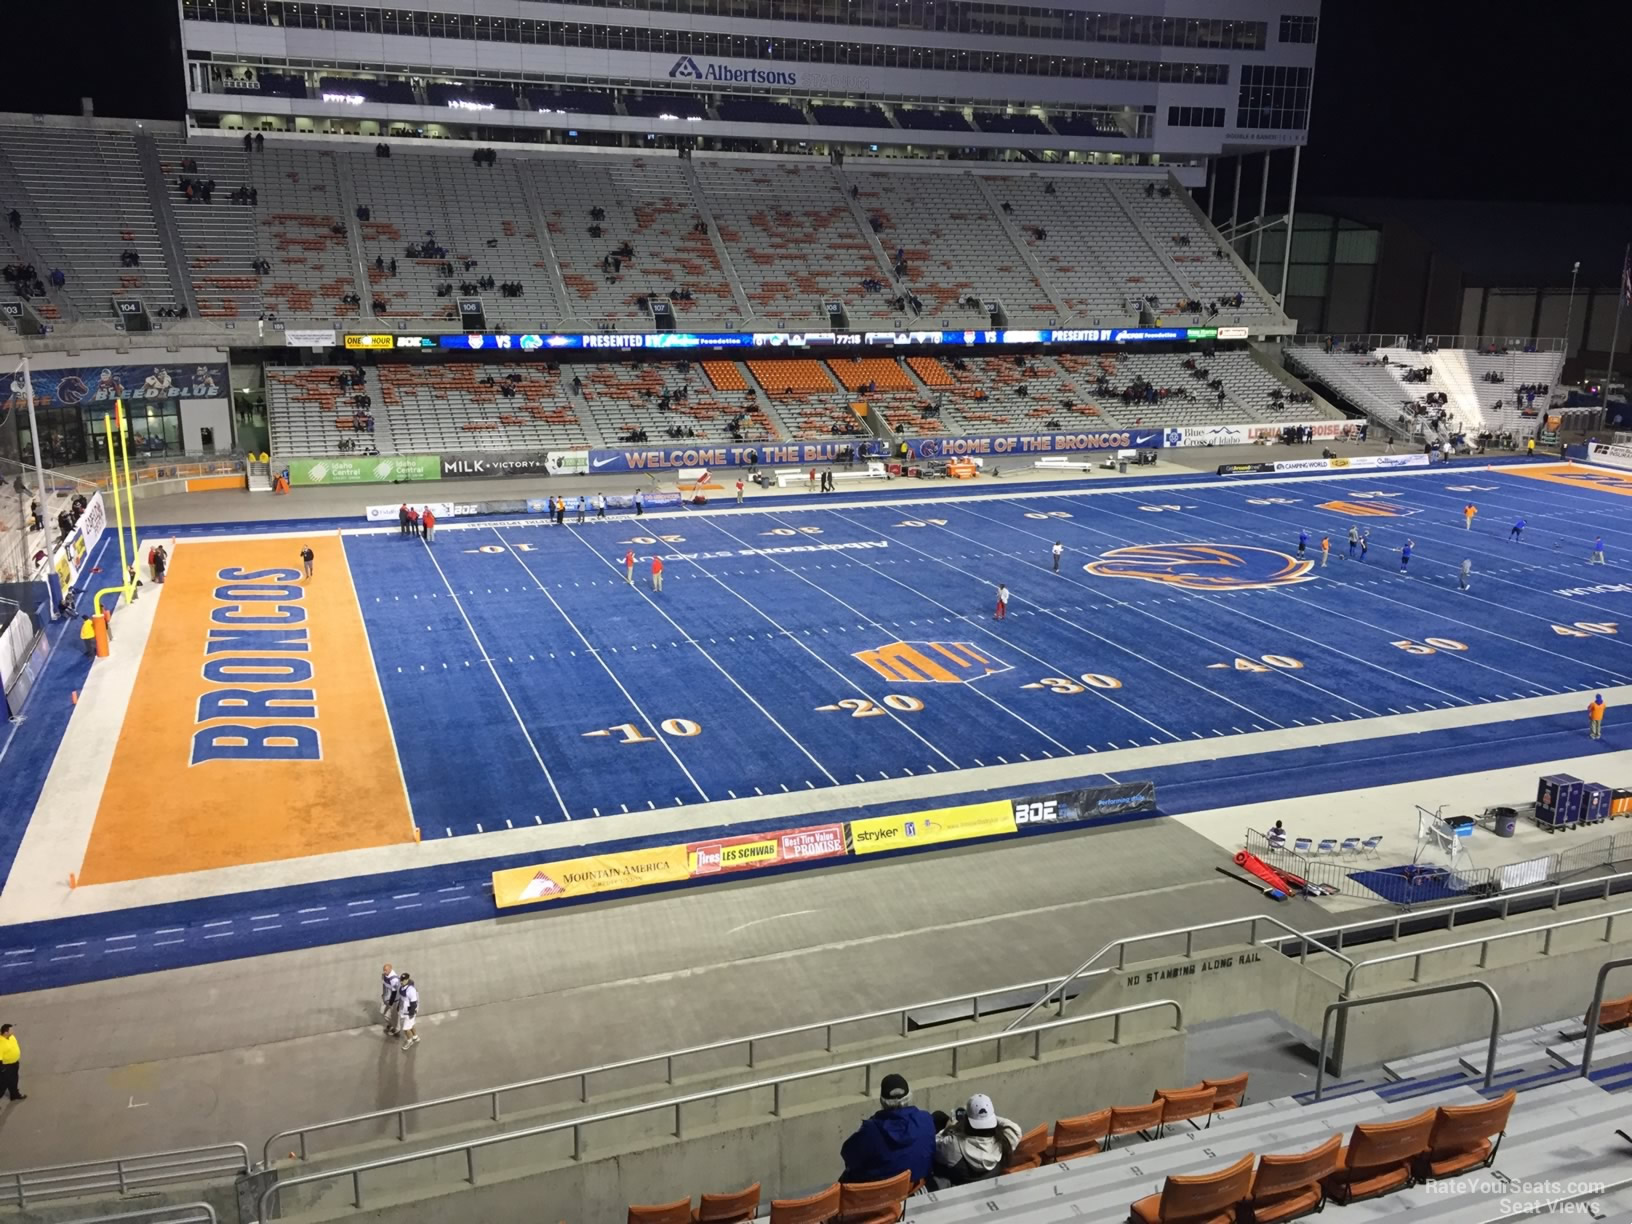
876 1202
1286 1187
1134 1119
1462 1138
883 372
678 1212
1185 1104
1379 1157
819 1208
1206 1198
1079 1136
732 1208
1228 1093
1028 1153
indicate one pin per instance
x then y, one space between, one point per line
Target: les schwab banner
627 869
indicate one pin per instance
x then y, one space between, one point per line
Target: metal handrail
1483 943
1597 1003
1252 921
1416 992
471 1147
122 1173
1605 887
181 1213
667 1058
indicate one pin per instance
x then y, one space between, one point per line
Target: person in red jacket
657 573
629 566
427 522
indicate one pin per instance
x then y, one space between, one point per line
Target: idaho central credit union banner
1033 444
104 384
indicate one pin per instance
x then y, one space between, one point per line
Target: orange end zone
1577 477
248 742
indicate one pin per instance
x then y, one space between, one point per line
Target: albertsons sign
711 70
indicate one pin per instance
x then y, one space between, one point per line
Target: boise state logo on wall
928 448
1204 567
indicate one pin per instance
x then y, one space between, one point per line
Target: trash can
1505 821
1122 466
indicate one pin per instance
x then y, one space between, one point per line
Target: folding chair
1369 846
1350 846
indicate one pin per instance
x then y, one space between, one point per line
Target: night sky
1430 101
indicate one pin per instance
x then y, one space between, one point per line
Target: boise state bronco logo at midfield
1204 567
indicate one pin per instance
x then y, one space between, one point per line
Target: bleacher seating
984 395
1100 270
647 203
622 398
1169 219
885 387
309 413
478 214
1360 378
84 202
302 233
451 408
811 403
954 247
794 243
218 238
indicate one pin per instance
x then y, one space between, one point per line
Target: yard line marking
656 607
499 680
651 726
165 943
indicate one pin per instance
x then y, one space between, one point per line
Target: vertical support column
1235 198
1263 207
1291 217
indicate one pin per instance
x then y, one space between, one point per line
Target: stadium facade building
1141 81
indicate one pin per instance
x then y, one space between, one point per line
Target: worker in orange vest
1468 511
1595 717
629 566
657 573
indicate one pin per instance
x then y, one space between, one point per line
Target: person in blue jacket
899 1136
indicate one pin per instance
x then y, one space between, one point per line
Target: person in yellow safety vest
87 636
1530 446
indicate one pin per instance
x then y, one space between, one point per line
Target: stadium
864 617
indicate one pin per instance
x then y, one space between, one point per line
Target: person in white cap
390 995
973 1145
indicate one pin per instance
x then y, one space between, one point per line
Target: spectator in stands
899 1137
249 142
973 1145
260 141
362 212
58 280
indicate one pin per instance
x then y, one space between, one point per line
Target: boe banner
1099 804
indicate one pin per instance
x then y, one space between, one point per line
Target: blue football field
528 682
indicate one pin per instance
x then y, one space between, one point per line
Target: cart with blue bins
1558 802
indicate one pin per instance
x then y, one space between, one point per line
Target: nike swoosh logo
602 462
1142 441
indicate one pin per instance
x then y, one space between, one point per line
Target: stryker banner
1098 803
479 465
1033 444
